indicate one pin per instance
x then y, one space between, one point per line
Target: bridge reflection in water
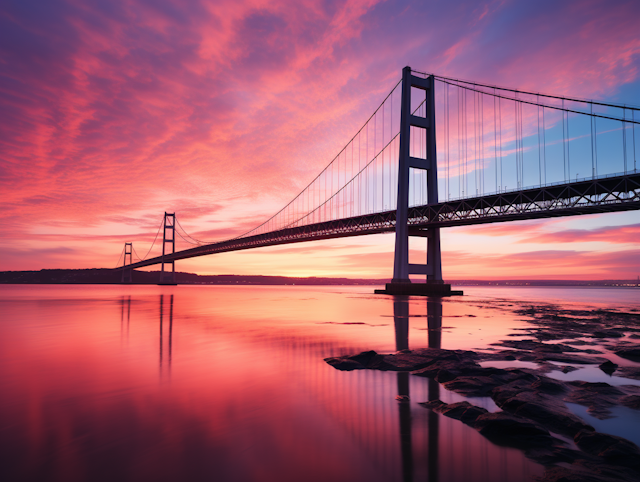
416 443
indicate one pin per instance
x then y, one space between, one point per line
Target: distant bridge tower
127 274
424 127
168 237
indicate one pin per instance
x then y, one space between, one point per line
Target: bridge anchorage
388 177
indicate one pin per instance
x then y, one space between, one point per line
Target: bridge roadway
588 196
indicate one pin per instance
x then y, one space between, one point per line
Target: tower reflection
170 334
124 302
401 325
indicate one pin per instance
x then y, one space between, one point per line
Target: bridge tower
422 126
168 238
127 274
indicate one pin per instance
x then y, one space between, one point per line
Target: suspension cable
546 105
154 239
488 86
118 262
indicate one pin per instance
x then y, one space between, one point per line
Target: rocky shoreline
534 417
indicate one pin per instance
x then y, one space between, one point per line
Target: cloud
629 234
114 112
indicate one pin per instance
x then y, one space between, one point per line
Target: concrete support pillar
168 238
127 274
401 283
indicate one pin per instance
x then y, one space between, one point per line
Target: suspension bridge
441 152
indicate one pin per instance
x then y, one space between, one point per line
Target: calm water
229 383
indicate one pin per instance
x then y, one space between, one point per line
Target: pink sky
114 112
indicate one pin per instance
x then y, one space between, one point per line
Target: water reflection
170 338
401 325
124 303
250 397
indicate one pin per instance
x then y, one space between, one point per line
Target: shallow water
229 383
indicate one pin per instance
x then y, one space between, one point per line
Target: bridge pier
168 237
401 283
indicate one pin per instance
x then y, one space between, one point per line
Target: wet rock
631 401
607 334
608 367
597 397
344 364
544 409
569 369
569 358
549 385
473 386
629 372
615 450
446 370
511 430
534 345
463 411
629 353
573 474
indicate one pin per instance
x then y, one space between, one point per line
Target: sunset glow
222 112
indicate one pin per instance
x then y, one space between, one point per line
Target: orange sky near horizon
223 111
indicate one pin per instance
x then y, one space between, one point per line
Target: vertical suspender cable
539 153
544 147
500 117
633 132
458 93
624 138
593 167
517 144
495 137
475 141
595 141
564 146
568 149
482 140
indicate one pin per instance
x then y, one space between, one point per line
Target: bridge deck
617 193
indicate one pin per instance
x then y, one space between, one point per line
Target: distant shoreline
107 276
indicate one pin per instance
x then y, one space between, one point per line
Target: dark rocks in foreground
629 353
533 409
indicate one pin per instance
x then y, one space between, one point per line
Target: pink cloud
223 111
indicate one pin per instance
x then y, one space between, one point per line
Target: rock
629 353
608 367
511 430
462 411
539 407
549 385
598 397
569 358
569 369
607 334
615 450
573 474
344 364
629 372
434 405
473 386
631 401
